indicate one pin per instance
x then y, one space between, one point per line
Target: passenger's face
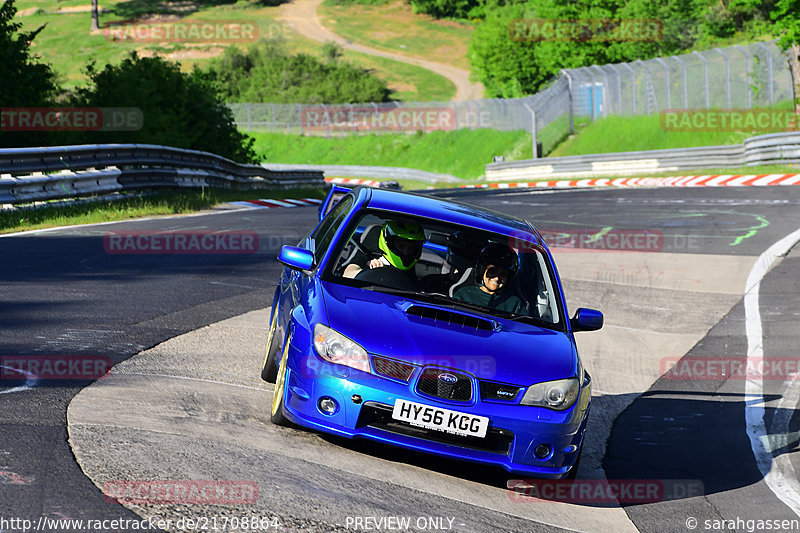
494 278
407 248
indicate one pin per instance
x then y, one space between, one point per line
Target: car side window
327 228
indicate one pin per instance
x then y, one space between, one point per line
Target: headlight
336 348
559 395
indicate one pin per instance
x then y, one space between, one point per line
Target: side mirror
587 320
296 258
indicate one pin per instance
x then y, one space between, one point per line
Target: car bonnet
506 351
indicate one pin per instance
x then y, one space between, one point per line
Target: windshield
448 265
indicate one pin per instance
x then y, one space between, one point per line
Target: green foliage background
512 68
267 73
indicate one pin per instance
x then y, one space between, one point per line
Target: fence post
685 89
705 75
633 85
650 87
727 77
569 93
749 77
666 77
619 88
769 65
533 130
606 89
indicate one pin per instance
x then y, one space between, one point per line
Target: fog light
327 405
542 451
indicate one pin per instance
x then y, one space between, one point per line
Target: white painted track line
778 471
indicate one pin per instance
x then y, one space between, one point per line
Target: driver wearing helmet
400 244
494 271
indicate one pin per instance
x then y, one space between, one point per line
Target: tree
25 82
513 55
787 21
178 109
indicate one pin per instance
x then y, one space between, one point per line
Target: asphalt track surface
63 294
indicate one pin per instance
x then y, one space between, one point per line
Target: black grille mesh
431 384
392 369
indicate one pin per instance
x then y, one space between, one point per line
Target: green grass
394 27
409 83
161 203
68 45
644 132
462 153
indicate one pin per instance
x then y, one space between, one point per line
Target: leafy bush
25 81
267 73
181 110
447 8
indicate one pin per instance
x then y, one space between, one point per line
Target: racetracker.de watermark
181 242
616 239
710 120
198 492
741 367
348 118
222 31
71 119
586 30
601 491
61 367
478 365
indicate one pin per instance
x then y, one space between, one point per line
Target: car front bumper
365 401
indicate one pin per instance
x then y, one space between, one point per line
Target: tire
276 416
269 371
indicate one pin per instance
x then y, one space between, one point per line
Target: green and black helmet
401 243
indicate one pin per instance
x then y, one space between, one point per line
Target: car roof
451 211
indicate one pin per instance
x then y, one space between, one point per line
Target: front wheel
276 417
268 369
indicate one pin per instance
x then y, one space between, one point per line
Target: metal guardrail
770 149
53 173
361 171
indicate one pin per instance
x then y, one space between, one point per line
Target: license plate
439 419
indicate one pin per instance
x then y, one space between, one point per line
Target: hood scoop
451 318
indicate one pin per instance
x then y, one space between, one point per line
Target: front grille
379 416
498 391
392 369
449 317
445 384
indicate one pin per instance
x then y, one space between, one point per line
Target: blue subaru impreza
433 325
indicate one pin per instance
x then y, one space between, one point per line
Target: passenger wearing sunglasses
495 271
